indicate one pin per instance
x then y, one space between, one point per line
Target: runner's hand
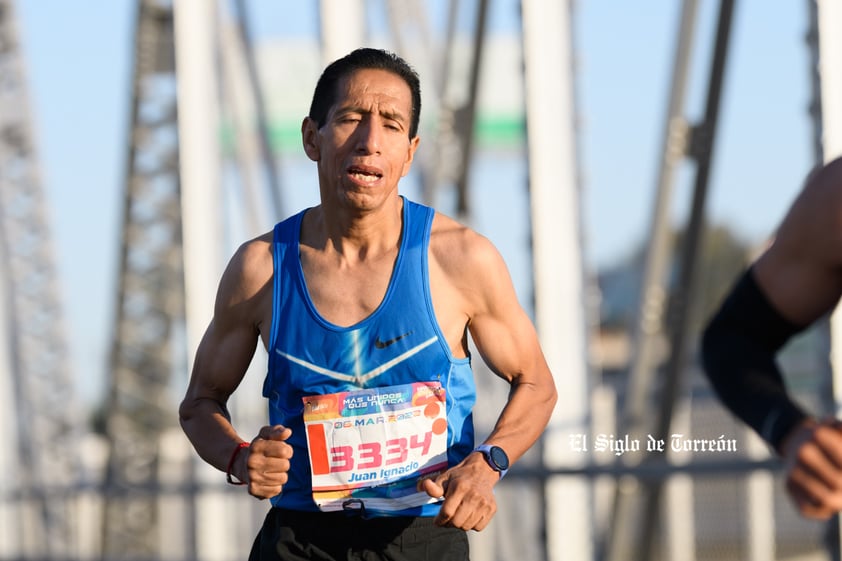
468 491
813 459
268 462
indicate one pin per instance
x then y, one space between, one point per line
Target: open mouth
364 174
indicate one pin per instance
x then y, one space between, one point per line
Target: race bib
369 447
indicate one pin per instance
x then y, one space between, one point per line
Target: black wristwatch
496 458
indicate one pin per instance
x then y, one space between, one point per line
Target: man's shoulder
257 246
247 276
457 246
449 232
253 259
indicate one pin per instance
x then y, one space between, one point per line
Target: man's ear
310 138
410 155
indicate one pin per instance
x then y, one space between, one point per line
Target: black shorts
291 535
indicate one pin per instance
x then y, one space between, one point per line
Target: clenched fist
267 463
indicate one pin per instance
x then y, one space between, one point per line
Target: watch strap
485 450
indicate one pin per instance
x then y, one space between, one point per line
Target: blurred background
627 158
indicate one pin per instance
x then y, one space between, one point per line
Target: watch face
499 457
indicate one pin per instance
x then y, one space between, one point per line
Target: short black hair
325 93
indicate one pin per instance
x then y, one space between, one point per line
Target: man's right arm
222 359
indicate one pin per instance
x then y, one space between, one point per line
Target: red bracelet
228 476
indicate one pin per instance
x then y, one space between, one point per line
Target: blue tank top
399 343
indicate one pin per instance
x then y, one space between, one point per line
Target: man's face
363 148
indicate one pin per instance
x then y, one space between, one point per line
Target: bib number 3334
372 445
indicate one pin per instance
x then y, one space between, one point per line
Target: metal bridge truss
42 388
149 307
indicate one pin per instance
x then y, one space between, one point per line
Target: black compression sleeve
738 354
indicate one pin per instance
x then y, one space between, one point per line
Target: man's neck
354 237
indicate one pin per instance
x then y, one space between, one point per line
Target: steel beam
149 310
42 388
557 263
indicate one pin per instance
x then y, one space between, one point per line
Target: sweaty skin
349 244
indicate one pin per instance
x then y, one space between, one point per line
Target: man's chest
345 295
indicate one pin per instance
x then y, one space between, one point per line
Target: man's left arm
507 341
